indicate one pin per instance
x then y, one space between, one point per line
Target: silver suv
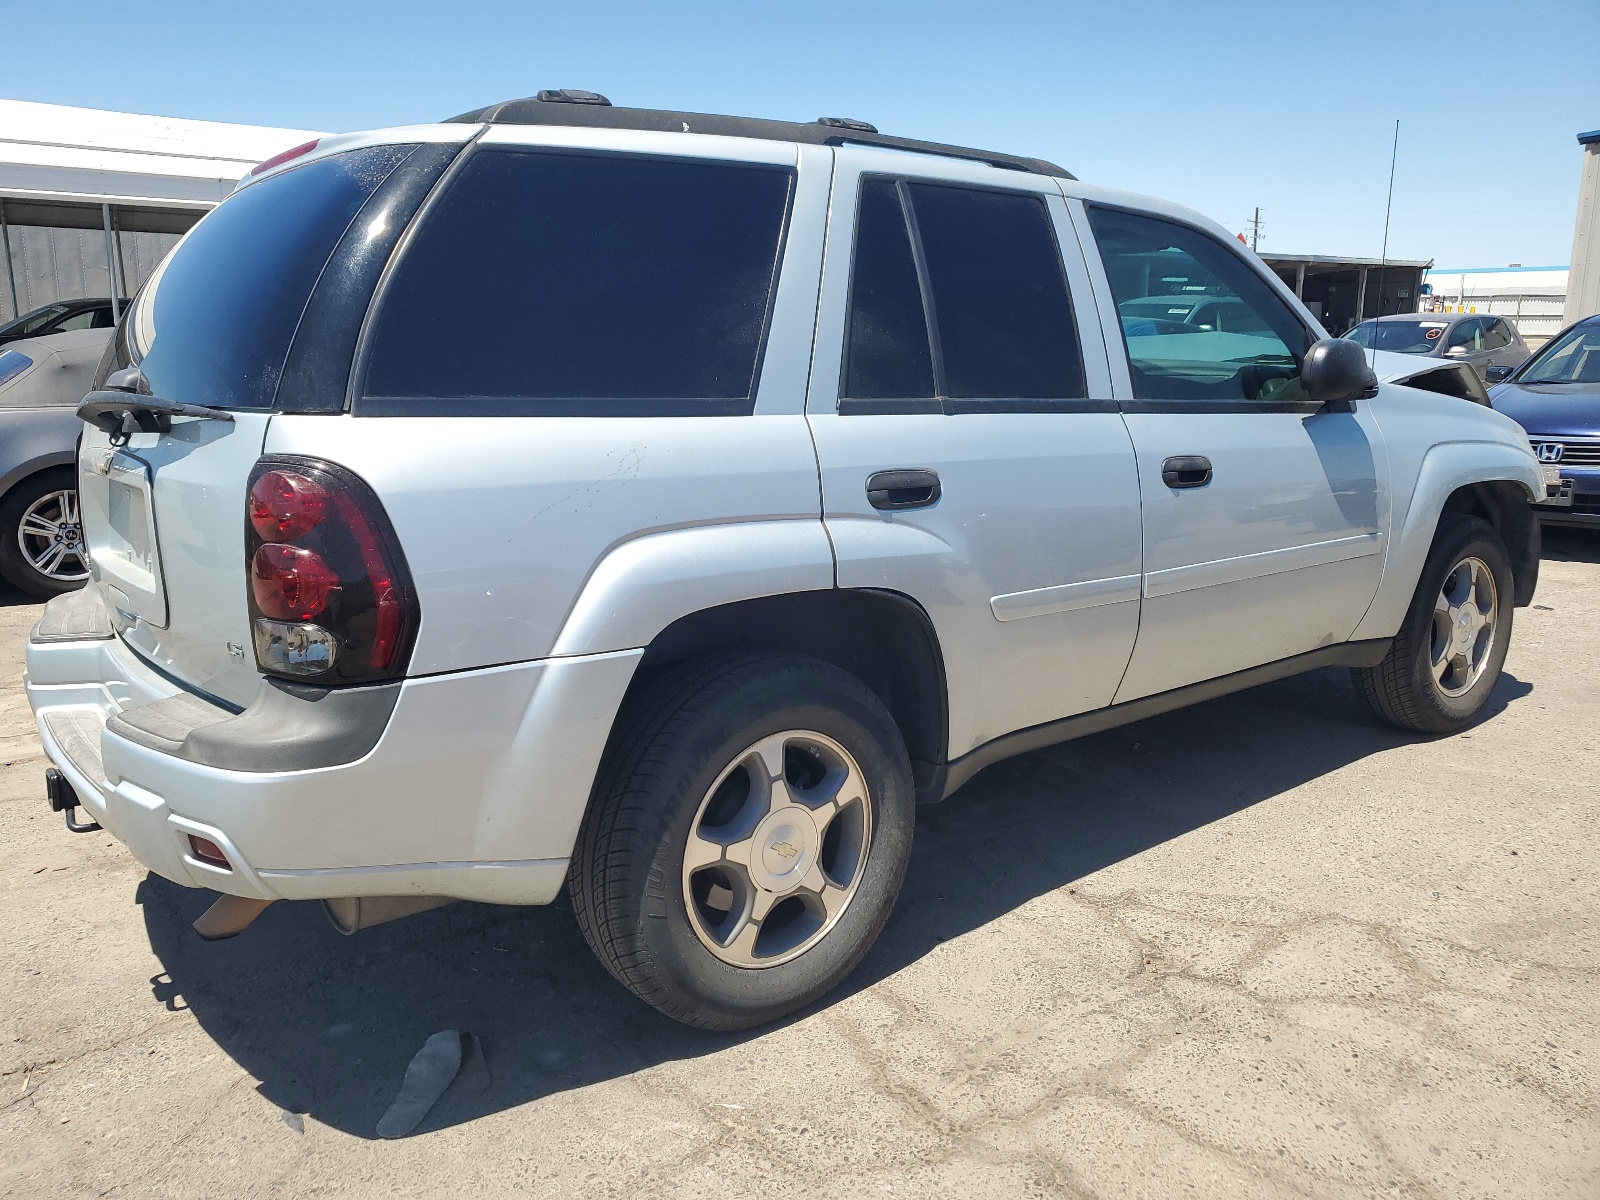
661 505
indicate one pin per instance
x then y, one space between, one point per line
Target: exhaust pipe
351 914
229 917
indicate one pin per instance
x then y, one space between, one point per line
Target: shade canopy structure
91 200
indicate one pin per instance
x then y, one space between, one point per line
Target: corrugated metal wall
65 264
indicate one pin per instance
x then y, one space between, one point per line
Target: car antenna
1383 258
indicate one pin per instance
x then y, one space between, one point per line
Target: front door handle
892 490
1186 471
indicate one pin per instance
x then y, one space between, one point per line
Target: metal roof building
1343 291
90 199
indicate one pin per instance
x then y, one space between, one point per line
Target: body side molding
1256 566
1068 597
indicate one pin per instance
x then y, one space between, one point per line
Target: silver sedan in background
42 380
1490 345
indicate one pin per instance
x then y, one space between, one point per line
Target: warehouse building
90 201
1531 298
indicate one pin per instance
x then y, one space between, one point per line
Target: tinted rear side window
999 296
214 323
886 346
549 283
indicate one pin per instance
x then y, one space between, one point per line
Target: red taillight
385 595
277 160
285 504
291 583
330 597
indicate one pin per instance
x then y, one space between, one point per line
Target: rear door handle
915 488
1186 471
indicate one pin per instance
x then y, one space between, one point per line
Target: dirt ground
1260 948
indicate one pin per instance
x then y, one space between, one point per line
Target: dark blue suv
1555 396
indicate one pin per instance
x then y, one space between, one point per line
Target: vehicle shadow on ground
1571 545
11 597
328 1023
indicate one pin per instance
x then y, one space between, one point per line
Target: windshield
30 321
214 323
1402 337
1572 358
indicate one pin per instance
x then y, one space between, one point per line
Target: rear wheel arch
883 638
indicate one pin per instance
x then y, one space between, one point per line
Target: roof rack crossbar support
568 110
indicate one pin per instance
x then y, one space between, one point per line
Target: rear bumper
470 784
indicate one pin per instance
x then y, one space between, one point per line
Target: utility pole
1255 229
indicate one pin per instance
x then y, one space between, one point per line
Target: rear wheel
1447 657
41 535
746 839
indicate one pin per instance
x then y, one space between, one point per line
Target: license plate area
124 552
1557 491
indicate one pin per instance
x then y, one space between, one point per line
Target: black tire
1402 689
627 880
14 565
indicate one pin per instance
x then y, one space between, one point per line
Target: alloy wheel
51 537
777 849
1464 626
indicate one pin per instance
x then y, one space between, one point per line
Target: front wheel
746 840
1447 656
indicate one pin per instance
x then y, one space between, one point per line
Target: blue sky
1222 106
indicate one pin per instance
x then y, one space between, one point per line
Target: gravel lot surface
1260 948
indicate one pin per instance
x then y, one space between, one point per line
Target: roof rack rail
589 110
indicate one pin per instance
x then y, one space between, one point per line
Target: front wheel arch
1505 506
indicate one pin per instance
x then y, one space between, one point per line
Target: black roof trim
534 111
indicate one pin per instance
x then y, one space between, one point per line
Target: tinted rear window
886 345
213 325
550 283
1000 298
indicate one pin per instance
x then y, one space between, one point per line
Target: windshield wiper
121 410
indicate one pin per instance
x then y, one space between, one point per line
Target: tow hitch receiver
64 800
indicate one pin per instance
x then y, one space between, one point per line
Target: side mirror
1499 374
1457 352
1335 373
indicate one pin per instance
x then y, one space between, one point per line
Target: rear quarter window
214 323
547 283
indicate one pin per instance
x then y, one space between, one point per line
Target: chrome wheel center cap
787 844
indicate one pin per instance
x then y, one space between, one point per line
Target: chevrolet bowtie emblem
784 848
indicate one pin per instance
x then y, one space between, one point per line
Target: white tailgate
164 519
